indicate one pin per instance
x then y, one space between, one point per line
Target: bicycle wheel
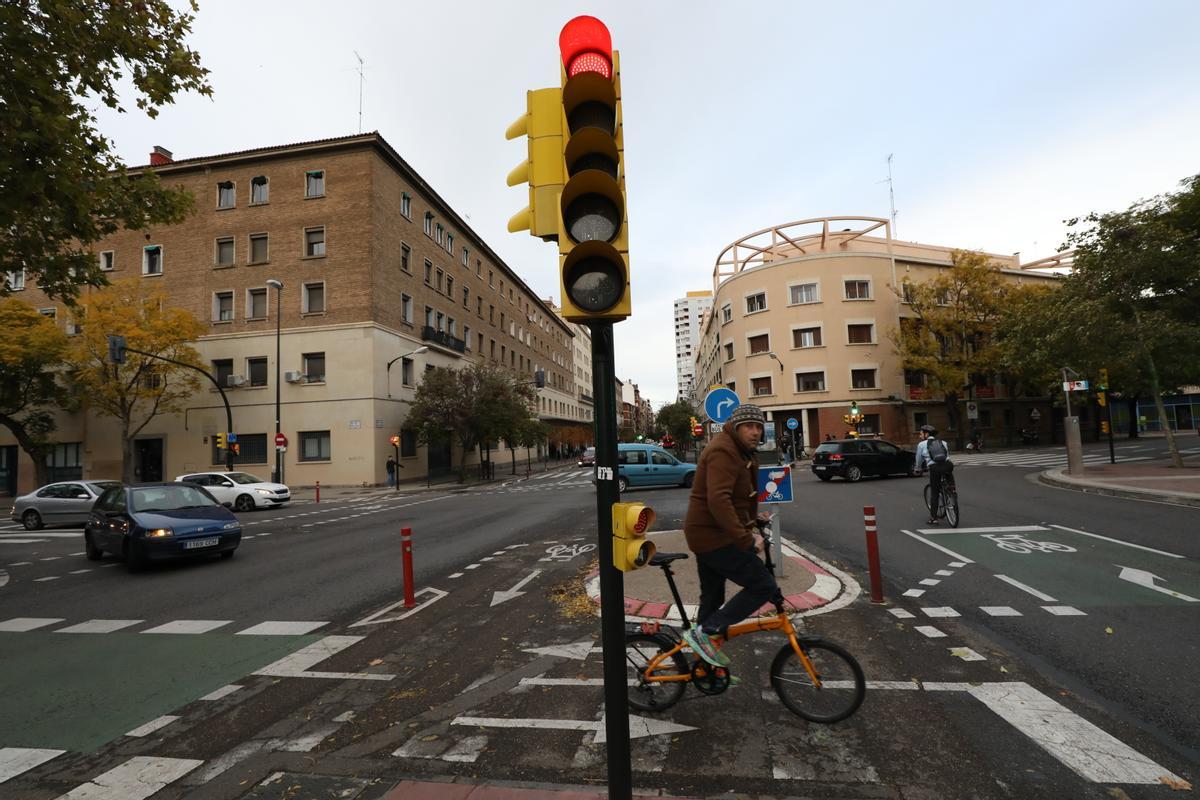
950 505
640 650
843 686
928 504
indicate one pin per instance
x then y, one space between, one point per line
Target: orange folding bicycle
814 678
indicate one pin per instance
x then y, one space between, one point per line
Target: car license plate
818 467
196 544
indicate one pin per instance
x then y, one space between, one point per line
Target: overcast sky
1004 118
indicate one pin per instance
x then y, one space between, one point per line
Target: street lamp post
417 352
278 287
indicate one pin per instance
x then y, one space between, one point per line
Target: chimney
160 155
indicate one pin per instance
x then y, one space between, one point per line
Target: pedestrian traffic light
630 523
236 448
1102 384
593 236
395 440
221 442
543 169
116 349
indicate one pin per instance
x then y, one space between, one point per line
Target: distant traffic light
630 521
236 448
221 442
593 238
116 349
1104 426
543 169
1102 384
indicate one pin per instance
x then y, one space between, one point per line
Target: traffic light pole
612 581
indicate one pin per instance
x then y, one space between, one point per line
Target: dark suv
853 458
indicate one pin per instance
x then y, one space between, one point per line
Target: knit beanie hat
747 413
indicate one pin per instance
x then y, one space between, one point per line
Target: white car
244 491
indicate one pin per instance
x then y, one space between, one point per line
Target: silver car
56 504
244 491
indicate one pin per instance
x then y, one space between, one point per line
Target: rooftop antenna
891 195
360 90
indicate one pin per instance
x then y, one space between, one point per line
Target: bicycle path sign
775 484
719 403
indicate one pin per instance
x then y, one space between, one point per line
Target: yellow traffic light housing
630 521
221 443
543 169
593 235
1102 398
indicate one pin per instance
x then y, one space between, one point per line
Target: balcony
584 397
442 339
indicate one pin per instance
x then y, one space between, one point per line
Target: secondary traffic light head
116 349
630 523
1103 382
593 240
221 442
543 169
853 408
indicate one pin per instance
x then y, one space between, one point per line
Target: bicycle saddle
659 559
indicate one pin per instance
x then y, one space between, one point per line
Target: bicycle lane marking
1076 566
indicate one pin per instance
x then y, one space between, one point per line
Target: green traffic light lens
594 284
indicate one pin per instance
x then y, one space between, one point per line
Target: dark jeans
744 568
937 472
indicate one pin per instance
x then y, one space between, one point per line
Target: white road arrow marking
639 727
1143 578
515 591
578 651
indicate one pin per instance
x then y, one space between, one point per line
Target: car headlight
230 526
159 533
264 491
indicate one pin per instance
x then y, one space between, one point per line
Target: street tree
64 188
676 419
478 404
1142 267
951 336
143 387
31 355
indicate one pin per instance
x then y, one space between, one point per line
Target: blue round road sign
792 423
720 403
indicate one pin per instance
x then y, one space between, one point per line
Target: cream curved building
800 325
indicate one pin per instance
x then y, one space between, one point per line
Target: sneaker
703 646
931 521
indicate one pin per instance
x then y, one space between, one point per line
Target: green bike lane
78 691
1075 567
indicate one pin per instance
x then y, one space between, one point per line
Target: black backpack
938 453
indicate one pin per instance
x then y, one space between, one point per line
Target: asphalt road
439 691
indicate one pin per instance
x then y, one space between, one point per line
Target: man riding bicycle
932 453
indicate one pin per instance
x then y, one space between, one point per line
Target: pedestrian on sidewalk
391 471
720 528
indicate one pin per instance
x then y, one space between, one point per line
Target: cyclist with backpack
932 453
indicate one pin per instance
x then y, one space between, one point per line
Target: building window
860 333
756 303
729 351
222 369
223 307
804 293
406 204
479 267
226 198
408 443
428 224
406 308
906 292
467 336
314 446
257 369
314 367
810 381
491 279
438 231
406 371
870 424
920 418
428 317
225 252
760 386
428 272
405 255
314 183
760 343
259 190
450 288
466 297
466 257
438 284
726 313
450 243
806 337
314 242
256 303
862 379
313 298
108 260
858 290
152 260
259 248
65 461
15 280
492 314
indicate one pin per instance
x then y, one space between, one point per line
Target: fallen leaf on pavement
1178 784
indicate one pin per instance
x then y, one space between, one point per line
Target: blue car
650 465
158 521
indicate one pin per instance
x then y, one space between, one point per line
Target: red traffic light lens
586 46
643 521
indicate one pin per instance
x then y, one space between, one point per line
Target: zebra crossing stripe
17 760
135 779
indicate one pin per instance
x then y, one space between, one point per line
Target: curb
826 588
1058 479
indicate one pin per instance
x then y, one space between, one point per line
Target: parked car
854 458
55 504
650 465
588 459
245 491
156 521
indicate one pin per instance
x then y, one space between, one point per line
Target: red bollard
318 491
873 555
410 599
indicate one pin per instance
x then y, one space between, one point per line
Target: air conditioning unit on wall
293 377
235 381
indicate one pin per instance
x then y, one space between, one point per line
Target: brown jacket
724 499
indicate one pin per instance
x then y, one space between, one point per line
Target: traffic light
1102 384
846 418
593 236
1104 426
394 439
697 428
221 442
116 349
543 169
630 523
1102 398
236 448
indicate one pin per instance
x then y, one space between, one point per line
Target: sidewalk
328 493
1157 480
426 790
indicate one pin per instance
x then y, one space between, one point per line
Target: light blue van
650 465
